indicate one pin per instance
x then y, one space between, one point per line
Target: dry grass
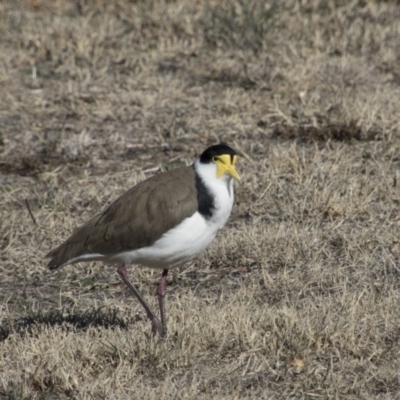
299 296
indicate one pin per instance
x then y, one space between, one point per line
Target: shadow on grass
70 320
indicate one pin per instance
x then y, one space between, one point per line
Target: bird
163 222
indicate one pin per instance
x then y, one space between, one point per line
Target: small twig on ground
30 212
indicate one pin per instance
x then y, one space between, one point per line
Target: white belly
178 246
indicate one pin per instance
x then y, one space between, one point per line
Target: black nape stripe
205 199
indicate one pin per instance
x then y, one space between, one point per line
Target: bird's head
224 158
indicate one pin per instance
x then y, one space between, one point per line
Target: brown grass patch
298 297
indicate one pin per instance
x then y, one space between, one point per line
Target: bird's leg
161 295
155 323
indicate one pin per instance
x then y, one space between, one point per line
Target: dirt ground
298 298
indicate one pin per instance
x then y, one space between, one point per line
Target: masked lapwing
162 222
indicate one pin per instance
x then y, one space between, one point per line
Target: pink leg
161 294
155 323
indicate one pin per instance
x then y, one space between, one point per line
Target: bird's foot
156 327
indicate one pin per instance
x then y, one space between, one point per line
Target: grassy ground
299 295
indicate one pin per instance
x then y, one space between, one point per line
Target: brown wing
136 219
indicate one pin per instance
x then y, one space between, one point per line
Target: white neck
220 188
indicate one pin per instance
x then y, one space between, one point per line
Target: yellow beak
233 173
225 166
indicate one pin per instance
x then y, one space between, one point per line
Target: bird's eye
215 159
